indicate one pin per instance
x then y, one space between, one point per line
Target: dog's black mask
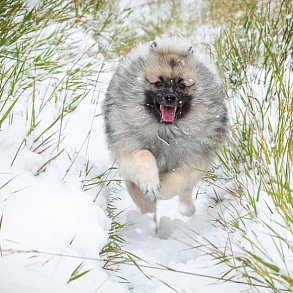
168 100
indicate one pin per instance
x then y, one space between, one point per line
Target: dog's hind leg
144 204
186 205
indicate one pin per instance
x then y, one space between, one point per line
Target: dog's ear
154 45
190 50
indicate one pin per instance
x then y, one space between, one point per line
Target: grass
43 68
45 52
258 59
76 274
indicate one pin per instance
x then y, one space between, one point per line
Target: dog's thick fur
165 115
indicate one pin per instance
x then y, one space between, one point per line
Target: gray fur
187 140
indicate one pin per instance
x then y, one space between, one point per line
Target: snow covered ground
52 228
49 226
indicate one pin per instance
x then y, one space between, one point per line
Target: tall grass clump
254 54
48 65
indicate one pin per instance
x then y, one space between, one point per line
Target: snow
50 225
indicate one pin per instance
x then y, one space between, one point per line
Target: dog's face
170 76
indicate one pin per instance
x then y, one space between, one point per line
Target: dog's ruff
165 115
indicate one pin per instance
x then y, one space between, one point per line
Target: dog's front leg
141 168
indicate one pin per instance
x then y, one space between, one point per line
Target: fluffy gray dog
165 115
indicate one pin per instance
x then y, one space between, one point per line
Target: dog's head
170 75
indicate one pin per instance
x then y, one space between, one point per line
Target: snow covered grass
66 222
254 53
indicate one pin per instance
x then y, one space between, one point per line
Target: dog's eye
158 84
182 86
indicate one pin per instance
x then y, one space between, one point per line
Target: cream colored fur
143 183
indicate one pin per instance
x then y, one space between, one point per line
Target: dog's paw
186 209
149 182
151 191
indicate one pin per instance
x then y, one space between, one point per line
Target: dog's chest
170 152
172 147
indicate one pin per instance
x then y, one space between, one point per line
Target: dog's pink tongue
168 113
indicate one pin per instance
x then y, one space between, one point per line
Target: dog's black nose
170 98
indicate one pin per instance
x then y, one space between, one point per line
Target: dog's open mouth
168 113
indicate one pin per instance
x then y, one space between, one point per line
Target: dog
165 115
